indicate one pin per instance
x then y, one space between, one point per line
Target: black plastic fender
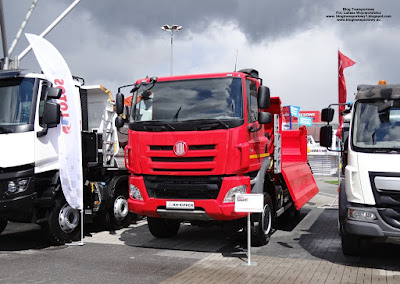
113 185
260 178
49 194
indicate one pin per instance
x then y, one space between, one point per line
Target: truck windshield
16 96
215 99
374 131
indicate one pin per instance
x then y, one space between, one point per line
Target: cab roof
241 73
378 92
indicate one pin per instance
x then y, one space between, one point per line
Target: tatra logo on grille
180 148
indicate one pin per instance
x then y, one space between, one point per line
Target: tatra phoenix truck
30 189
369 196
196 141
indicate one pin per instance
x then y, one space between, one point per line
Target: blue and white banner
294 111
307 121
69 140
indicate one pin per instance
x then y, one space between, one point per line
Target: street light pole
171 29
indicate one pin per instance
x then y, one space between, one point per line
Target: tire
3 225
291 214
163 228
262 223
64 223
116 215
120 217
340 228
351 244
342 207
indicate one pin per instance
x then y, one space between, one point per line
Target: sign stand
249 263
249 203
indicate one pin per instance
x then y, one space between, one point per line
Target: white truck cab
369 195
30 188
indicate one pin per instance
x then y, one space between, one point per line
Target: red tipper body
178 160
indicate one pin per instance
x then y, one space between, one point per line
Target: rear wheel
262 223
163 228
3 225
121 217
116 214
292 213
63 225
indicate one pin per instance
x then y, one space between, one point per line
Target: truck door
46 146
257 139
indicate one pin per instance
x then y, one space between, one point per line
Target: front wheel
63 225
351 244
163 228
3 225
262 223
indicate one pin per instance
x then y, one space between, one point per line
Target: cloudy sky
292 43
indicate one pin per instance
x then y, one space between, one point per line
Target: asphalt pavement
307 250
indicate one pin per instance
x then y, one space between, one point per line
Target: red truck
196 141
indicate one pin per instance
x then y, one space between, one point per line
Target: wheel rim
266 219
120 208
68 218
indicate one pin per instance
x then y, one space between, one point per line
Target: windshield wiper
156 125
177 113
385 150
5 130
212 124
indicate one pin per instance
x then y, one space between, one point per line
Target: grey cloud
258 19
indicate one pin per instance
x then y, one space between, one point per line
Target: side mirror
51 117
51 113
327 114
263 97
325 136
119 103
264 117
53 93
119 122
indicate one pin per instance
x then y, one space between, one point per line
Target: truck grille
199 158
191 147
387 201
183 187
391 216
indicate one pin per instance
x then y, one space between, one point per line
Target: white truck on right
369 194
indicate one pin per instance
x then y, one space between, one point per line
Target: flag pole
79 243
339 156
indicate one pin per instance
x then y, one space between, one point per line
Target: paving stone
310 252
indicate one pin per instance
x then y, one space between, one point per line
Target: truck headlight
17 186
230 195
360 215
134 192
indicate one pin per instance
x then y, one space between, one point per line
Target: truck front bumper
204 209
17 208
378 228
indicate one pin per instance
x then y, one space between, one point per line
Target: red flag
343 63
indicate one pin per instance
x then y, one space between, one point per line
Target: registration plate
189 205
